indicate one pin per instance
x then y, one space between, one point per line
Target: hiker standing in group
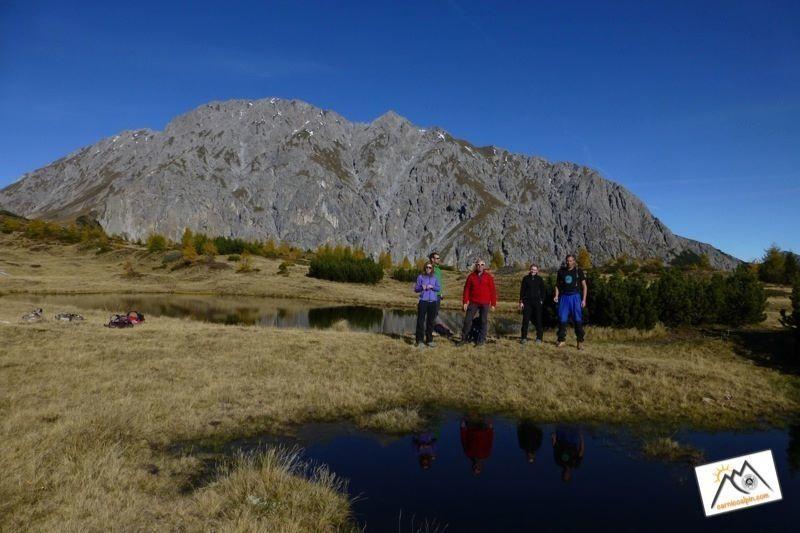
479 296
531 301
571 299
428 287
435 260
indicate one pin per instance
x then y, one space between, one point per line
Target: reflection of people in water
567 450
529 437
425 448
477 435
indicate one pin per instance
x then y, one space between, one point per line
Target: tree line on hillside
198 244
82 231
623 292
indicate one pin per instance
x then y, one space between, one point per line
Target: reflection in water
251 311
358 317
425 449
477 435
529 438
568 448
618 486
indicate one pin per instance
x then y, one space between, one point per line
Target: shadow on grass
778 349
411 340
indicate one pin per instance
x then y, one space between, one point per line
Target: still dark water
431 476
251 311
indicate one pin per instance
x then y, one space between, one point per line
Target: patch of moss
330 159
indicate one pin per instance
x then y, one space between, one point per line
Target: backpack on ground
442 330
119 321
135 317
474 334
34 316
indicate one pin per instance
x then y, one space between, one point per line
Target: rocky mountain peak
287 170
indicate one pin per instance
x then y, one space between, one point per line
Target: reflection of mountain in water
359 317
279 313
480 473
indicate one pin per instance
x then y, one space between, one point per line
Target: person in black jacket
531 301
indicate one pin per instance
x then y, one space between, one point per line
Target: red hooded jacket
480 289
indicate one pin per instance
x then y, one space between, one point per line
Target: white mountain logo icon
745 480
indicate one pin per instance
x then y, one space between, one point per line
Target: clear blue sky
694 106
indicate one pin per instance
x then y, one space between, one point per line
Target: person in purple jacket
428 288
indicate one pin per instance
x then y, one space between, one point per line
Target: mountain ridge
288 170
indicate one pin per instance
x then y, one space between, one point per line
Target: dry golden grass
88 415
53 268
280 492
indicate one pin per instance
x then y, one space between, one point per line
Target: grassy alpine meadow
90 415
52 268
94 421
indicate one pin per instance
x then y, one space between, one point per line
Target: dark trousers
438 306
532 312
426 313
483 309
562 331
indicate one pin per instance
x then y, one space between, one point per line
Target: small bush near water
283 268
405 274
245 264
622 302
343 264
734 300
156 243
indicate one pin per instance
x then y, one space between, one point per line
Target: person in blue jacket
428 287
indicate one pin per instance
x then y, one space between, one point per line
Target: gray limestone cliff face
284 169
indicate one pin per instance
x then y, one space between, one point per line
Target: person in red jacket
479 296
477 435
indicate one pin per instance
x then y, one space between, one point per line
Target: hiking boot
523 340
580 345
538 341
419 345
559 344
430 344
